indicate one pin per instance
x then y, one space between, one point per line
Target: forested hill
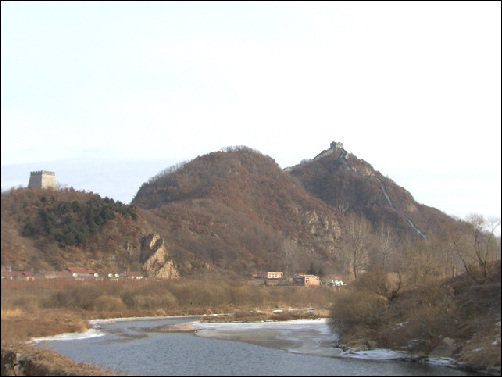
239 210
50 230
350 184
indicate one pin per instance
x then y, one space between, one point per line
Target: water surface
281 348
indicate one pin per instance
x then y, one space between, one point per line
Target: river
303 348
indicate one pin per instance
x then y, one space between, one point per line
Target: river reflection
292 348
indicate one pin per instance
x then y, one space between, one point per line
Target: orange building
306 280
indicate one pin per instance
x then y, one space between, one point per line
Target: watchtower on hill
43 179
334 145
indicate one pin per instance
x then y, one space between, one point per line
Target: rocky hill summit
349 184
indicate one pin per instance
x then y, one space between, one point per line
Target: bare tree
493 247
385 248
289 251
483 234
475 244
421 262
356 237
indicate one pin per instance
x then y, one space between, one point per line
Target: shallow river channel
305 347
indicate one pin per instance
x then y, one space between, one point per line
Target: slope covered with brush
48 230
348 184
239 210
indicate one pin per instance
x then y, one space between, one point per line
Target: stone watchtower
43 179
334 145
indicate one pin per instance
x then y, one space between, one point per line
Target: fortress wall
35 180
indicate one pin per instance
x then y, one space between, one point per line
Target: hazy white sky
414 88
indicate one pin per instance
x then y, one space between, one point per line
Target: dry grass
9 313
483 352
18 326
25 325
169 296
44 362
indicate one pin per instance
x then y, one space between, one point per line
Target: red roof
17 274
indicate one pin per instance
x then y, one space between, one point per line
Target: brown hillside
237 210
234 211
350 184
48 230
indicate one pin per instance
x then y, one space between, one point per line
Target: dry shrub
40 323
26 303
281 316
201 296
219 295
160 312
249 316
380 282
431 305
148 295
240 295
43 362
109 304
182 293
80 297
301 297
354 309
483 350
128 298
418 318
153 300
181 296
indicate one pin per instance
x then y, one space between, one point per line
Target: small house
134 275
306 280
268 275
17 275
79 272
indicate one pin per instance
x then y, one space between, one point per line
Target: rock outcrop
155 258
325 228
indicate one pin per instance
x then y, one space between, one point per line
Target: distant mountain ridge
234 211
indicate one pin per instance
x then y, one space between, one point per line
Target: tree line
464 246
72 222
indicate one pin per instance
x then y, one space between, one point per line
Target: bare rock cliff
155 259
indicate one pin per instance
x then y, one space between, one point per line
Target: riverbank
307 336
20 356
268 331
313 340
455 318
40 309
265 332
